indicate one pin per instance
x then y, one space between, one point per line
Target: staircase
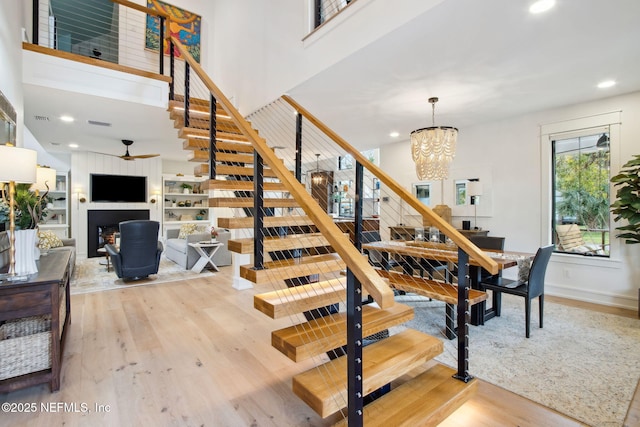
311 281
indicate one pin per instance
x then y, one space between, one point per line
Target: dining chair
531 288
491 243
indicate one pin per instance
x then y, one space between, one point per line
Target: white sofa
178 250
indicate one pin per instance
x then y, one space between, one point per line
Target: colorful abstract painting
183 25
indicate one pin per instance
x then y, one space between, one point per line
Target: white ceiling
486 60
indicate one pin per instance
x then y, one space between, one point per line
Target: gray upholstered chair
139 253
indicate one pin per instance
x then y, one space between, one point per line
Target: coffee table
206 250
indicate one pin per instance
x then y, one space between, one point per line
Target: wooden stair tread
279 270
280 243
298 299
233 170
231 185
203 156
201 121
269 221
203 134
426 400
195 104
200 144
247 202
430 288
324 388
317 336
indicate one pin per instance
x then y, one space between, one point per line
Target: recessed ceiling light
607 83
541 6
67 118
73 145
394 134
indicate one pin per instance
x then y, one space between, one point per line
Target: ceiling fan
127 156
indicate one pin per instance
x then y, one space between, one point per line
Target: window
580 185
422 192
461 192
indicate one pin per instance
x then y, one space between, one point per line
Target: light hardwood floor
196 353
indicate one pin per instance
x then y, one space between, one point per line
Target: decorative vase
185 191
25 252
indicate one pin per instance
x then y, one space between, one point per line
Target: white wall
84 164
11 16
261 49
511 150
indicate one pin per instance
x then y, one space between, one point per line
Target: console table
45 293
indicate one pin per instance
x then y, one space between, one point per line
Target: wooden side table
45 293
206 250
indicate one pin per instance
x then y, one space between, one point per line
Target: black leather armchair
139 253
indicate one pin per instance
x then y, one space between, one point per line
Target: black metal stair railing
296 141
275 124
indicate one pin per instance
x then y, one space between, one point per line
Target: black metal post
161 46
172 70
186 93
212 137
258 214
298 170
354 322
463 317
36 18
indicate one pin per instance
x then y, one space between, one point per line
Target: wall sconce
155 196
80 196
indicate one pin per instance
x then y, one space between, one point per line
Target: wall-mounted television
118 188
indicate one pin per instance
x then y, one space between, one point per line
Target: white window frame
564 129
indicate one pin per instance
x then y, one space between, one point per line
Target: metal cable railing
112 32
328 173
327 9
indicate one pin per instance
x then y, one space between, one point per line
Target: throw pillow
186 230
524 265
48 240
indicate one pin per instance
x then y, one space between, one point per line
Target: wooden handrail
142 8
462 242
357 263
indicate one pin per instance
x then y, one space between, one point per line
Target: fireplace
103 224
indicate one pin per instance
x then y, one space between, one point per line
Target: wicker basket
25 346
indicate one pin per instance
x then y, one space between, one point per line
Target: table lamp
45 180
17 165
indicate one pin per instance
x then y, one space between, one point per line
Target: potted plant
627 205
30 208
186 188
201 214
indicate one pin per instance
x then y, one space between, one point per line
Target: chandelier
433 148
318 176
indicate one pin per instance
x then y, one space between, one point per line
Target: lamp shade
45 179
474 188
18 164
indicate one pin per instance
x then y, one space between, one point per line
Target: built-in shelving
184 207
57 219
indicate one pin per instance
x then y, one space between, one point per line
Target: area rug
582 363
91 276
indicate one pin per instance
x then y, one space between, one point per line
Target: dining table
405 254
